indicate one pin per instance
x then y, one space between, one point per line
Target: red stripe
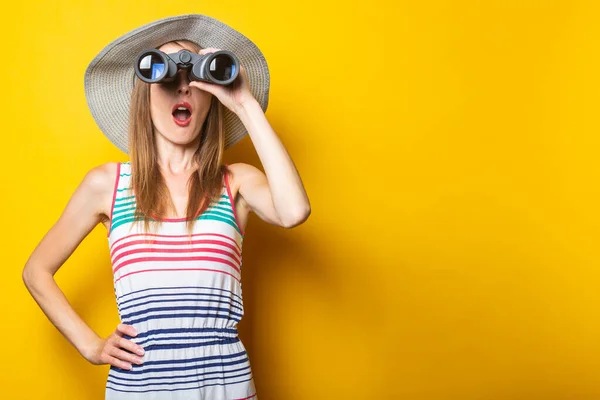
173 236
175 269
170 219
171 243
232 202
112 205
177 251
246 398
173 259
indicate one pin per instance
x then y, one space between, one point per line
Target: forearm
289 196
55 305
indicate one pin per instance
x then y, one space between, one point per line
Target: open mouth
182 114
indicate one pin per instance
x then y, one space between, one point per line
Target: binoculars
155 66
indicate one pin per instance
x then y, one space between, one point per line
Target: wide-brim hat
109 78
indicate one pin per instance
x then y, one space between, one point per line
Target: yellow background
449 150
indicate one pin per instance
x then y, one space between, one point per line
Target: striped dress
185 300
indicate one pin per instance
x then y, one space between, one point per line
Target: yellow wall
452 250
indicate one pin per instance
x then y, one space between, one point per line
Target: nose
183 82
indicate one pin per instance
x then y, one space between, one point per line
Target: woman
175 216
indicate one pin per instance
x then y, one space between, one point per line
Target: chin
184 141
179 135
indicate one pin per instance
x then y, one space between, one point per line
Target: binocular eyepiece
155 66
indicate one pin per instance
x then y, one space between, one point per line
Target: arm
85 209
279 196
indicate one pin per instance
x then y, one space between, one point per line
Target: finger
201 85
123 329
118 363
125 356
208 50
127 344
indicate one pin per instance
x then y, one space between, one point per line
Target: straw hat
109 78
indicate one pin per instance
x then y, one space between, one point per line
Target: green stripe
230 217
120 208
130 218
124 198
125 205
123 221
222 208
126 213
125 210
122 217
228 221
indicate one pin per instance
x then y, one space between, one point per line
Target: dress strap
123 198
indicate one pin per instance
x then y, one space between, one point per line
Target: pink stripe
171 243
173 236
169 219
246 398
177 269
177 251
112 205
173 259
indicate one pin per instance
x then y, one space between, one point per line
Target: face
178 111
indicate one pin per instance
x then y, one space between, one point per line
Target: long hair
153 200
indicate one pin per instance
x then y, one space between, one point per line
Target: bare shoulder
243 174
235 178
100 183
102 175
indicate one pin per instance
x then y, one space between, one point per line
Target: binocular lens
151 66
222 67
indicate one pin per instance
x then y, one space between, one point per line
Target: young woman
175 216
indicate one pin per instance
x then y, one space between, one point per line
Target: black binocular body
154 66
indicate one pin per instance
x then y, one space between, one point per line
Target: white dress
185 300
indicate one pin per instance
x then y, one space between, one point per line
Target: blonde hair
153 201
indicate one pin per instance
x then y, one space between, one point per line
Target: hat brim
109 77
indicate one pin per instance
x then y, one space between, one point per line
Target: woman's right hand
112 350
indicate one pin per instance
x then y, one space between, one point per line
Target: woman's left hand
233 96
